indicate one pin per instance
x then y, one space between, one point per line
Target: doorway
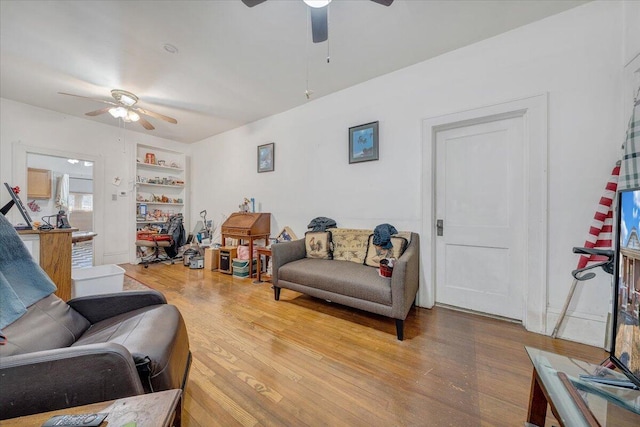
56 184
485 178
74 184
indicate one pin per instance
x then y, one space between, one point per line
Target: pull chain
307 92
328 46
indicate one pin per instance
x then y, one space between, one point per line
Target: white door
480 205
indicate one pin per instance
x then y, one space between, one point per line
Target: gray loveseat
350 282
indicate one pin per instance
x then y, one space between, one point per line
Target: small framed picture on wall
363 143
266 157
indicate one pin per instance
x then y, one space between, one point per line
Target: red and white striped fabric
600 232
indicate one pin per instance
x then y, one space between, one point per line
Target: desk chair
171 238
155 241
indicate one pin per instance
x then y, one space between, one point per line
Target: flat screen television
625 350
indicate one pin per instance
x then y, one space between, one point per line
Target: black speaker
225 261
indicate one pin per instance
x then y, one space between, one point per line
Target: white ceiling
235 64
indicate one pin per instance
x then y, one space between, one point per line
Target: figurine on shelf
244 207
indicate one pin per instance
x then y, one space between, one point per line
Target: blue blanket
22 281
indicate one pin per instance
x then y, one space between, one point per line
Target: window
80 202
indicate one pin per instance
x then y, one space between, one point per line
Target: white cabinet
160 185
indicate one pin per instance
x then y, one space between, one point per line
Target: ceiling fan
318 9
124 107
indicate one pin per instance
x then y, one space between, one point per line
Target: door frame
533 111
20 151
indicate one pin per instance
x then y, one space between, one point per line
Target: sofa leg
400 329
276 293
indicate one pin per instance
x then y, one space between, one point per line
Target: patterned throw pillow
376 253
318 244
350 244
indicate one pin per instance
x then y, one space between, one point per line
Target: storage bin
241 267
101 279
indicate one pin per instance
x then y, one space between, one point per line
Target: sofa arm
99 307
405 279
55 379
285 252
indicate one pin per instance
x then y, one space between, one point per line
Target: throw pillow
318 244
376 253
350 244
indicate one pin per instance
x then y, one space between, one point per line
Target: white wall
111 147
576 57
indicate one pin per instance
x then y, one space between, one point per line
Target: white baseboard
579 327
115 258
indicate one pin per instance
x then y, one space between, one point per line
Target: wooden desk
248 226
161 409
266 252
53 253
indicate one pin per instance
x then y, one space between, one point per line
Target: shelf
159 185
160 203
152 181
158 167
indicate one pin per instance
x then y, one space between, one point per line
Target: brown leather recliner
91 349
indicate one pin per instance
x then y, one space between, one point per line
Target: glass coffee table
577 401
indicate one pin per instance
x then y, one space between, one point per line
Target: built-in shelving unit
160 185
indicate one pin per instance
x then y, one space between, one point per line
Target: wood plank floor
305 362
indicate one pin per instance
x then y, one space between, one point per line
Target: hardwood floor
302 361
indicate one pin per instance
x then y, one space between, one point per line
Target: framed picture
266 157
286 235
363 143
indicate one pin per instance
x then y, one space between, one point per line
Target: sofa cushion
150 334
318 244
376 253
50 323
341 277
350 244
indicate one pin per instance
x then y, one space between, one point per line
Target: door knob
439 227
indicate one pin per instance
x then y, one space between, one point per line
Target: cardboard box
211 258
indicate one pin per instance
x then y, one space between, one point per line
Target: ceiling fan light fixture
132 116
317 3
127 100
118 112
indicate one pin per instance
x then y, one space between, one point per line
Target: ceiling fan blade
156 115
319 25
145 123
98 112
383 2
252 3
87 97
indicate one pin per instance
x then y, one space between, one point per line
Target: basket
241 267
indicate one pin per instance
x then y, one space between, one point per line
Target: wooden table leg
177 420
258 270
537 402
